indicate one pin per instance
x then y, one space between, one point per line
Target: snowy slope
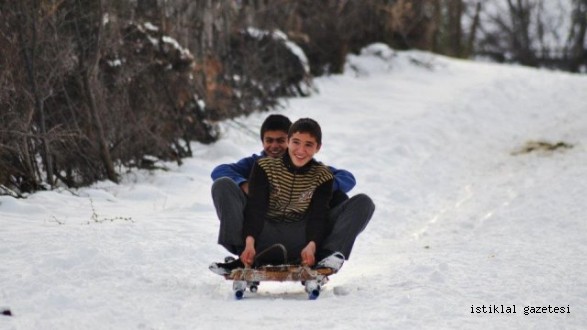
462 220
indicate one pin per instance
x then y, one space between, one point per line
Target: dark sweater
281 192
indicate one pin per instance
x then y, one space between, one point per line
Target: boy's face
302 147
275 143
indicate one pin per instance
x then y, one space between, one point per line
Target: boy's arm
257 204
343 180
318 213
238 172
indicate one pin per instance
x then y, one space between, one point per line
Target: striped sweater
281 192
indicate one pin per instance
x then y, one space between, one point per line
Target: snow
115 63
151 27
281 36
462 220
174 44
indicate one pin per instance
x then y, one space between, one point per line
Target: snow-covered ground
464 219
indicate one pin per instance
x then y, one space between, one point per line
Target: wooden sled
312 279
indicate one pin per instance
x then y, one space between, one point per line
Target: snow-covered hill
467 219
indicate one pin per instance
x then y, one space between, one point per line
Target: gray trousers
346 221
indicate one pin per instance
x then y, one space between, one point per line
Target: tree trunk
87 81
455 12
578 52
473 32
89 49
148 9
207 42
520 14
29 57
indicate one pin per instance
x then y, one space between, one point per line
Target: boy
230 187
274 132
289 204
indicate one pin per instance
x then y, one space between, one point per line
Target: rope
281 246
278 245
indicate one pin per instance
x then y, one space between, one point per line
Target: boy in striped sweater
288 204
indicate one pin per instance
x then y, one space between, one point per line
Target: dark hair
306 125
275 123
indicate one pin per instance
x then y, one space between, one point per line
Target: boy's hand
308 254
245 187
248 255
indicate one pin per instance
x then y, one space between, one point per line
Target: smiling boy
289 197
274 131
289 203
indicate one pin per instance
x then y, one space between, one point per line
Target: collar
294 169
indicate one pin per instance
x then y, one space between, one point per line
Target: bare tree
520 14
455 29
28 21
472 37
86 84
577 41
86 19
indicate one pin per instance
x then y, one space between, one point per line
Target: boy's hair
275 122
306 125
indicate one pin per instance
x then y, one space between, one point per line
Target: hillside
469 215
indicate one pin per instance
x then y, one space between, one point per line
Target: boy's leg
229 201
347 221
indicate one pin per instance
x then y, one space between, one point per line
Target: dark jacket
280 192
239 172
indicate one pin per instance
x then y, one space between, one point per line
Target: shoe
333 261
225 268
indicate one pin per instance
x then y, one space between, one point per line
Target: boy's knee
224 190
365 202
221 184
